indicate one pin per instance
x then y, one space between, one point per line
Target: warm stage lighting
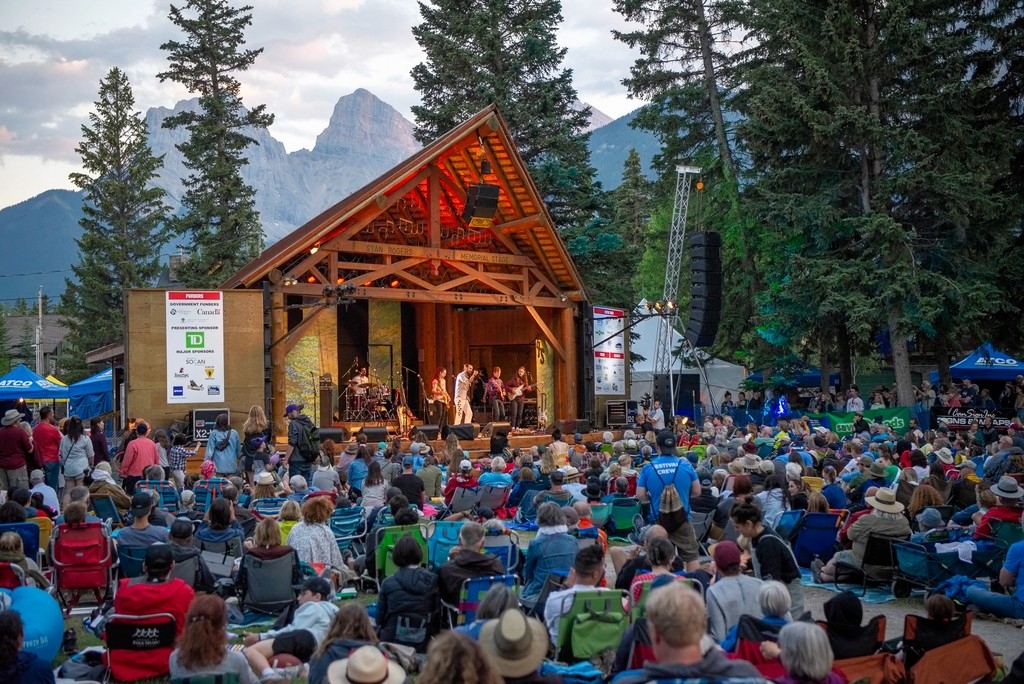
311 279
340 281
315 248
394 282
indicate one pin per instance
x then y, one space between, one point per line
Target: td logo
195 340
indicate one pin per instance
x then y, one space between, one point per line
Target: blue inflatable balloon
43 620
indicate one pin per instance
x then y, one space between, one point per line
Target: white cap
465 465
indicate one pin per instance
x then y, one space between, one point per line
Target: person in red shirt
15 452
140 454
47 438
1007 509
463 479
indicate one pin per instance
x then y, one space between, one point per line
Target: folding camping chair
638 603
600 513
384 543
29 533
602 609
788 522
442 537
816 538
83 560
266 586
139 646
622 520
473 590
877 566
348 525
106 510
11 576
920 635
268 508
45 530
130 560
492 497
219 556
868 642
504 545
463 500
188 571
701 523
168 494
205 493
750 632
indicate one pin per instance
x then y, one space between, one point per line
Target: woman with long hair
454 658
255 442
375 488
925 496
76 456
439 398
163 445
774 499
451 453
770 555
17 664
350 629
202 647
220 525
798 491
266 542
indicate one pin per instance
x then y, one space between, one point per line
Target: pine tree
6 352
505 52
219 211
25 348
123 228
631 202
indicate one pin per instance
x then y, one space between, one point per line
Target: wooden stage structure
451 257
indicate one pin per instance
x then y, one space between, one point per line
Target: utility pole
39 334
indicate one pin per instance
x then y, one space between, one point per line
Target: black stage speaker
481 205
431 431
705 288
465 431
375 434
491 429
328 400
338 435
572 426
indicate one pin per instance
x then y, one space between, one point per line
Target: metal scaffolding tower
676 239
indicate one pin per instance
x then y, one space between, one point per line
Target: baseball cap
577 437
408 462
182 529
142 503
37 476
317 585
159 557
415 447
292 407
465 465
666 439
726 555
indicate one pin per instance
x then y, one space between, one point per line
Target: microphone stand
423 390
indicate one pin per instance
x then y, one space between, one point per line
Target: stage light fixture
394 282
485 167
311 279
315 248
328 290
290 280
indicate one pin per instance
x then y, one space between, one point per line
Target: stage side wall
146 357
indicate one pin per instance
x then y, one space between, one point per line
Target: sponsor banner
961 418
842 423
195 347
610 354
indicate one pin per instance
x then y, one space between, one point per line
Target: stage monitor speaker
481 205
465 431
430 431
491 429
705 288
572 426
375 434
338 435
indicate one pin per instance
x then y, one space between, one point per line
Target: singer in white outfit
463 385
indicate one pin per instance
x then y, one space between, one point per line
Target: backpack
594 632
309 439
671 514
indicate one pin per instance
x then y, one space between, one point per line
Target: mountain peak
362 120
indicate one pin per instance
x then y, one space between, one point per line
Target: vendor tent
984 363
93 396
22 383
810 377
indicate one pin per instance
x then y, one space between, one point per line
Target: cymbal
366 385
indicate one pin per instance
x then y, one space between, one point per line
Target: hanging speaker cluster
481 205
705 288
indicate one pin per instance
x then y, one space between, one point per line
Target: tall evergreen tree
219 210
123 228
505 52
6 352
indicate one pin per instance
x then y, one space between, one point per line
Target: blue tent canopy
985 363
809 378
93 396
22 383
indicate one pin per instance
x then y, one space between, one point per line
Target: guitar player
515 388
494 394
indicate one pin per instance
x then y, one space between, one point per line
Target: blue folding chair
268 508
205 494
816 538
504 546
29 533
442 537
168 494
473 591
130 560
106 510
788 522
348 525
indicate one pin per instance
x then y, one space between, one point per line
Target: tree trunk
824 361
942 359
845 356
900 361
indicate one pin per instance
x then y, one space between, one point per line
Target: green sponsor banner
842 423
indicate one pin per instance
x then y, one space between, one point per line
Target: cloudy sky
53 54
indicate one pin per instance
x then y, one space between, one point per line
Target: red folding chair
83 560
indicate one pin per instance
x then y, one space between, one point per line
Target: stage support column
278 353
567 390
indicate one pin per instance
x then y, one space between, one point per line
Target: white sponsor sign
195 347
609 351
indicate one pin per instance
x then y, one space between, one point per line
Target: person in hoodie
220 524
677 620
17 665
466 561
412 590
300 637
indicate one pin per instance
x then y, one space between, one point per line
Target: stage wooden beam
278 354
525 222
566 372
451 255
546 331
379 207
296 333
398 294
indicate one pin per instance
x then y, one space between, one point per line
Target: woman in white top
375 487
76 456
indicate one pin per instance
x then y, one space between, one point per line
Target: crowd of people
741 479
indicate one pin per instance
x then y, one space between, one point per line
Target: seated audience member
1011 576
182 549
734 594
806 654
141 533
586 522
773 599
401 514
496 601
553 549
557 494
288 517
155 591
831 490
12 550
627 561
676 618
265 487
37 479
313 539
411 486
350 629
187 506
325 476
365 664
432 477
241 514
886 518
585 575
496 476
299 638
411 590
661 553
464 479
452 655
620 497
202 646
466 561
103 485
930 526
1007 509
77 495
266 541
517 644
772 556
843 615
17 664
220 524
299 489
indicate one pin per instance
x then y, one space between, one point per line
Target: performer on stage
516 387
463 386
494 393
439 399
359 382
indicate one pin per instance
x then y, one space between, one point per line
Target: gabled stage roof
402 236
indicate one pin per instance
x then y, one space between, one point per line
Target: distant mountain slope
610 145
39 238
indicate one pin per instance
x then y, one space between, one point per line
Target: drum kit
368 399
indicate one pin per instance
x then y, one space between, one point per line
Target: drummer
359 382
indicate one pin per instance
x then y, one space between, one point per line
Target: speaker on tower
705 288
481 205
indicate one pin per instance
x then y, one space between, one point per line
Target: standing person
202 647
517 386
299 462
255 442
139 455
494 394
656 416
76 455
163 445
412 487
15 452
226 445
46 438
854 403
440 401
664 469
100 448
178 457
770 554
463 386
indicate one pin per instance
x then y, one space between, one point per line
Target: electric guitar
517 392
